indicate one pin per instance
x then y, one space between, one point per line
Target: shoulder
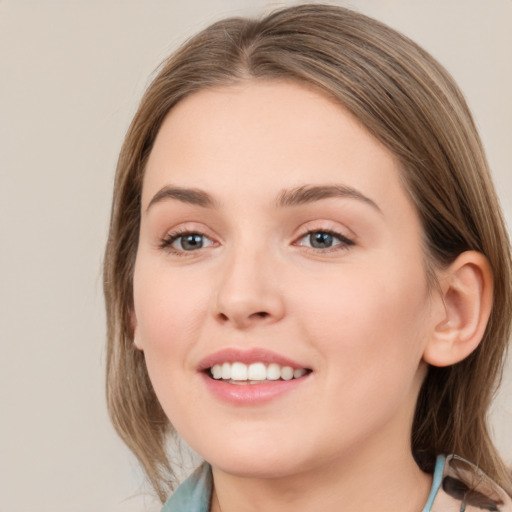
194 494
458 485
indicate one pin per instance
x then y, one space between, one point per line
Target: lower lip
251 394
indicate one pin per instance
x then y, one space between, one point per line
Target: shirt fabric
457 486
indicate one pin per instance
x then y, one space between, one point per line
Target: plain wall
71 74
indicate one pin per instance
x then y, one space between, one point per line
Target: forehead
261 136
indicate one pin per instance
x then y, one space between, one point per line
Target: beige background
71 73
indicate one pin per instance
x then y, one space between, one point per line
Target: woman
302 273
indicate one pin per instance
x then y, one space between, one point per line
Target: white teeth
217 371
286 373
273 371
297 374
255 372
238 371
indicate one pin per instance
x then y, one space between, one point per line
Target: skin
359 314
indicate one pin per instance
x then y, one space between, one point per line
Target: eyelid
328 226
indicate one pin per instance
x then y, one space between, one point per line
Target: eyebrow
286 198
192 196
311 193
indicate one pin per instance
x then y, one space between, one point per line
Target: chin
253 459
256 467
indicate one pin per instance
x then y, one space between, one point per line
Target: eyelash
167 242
344 242
173 236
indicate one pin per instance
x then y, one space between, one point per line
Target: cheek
371 321
169 314
169 309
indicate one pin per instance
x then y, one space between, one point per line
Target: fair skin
233 255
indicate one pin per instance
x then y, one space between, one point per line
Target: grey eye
321 240
191 242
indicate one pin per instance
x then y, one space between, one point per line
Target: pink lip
251 394
248 394
248 356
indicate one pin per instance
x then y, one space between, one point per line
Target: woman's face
276 234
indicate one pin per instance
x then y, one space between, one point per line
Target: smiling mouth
254 373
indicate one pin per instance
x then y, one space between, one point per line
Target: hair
411 104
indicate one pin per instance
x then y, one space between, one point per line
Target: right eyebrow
185 195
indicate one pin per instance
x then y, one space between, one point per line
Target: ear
465 302
136 339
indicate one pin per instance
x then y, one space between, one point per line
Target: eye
179 242
324 239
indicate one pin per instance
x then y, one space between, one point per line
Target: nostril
243 320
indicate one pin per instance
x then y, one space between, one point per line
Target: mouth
239 373
253 376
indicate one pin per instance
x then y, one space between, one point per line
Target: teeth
286 373
273 371
217 371
238 371
255 372
299 373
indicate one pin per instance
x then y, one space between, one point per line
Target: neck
386 481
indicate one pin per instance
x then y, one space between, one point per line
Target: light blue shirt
457 486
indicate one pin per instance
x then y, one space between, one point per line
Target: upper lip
247 356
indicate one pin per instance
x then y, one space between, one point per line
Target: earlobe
465 302
136 339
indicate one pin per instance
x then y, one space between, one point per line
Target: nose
248 292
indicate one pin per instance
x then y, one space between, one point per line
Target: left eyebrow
311 193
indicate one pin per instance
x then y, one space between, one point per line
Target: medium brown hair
408 102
